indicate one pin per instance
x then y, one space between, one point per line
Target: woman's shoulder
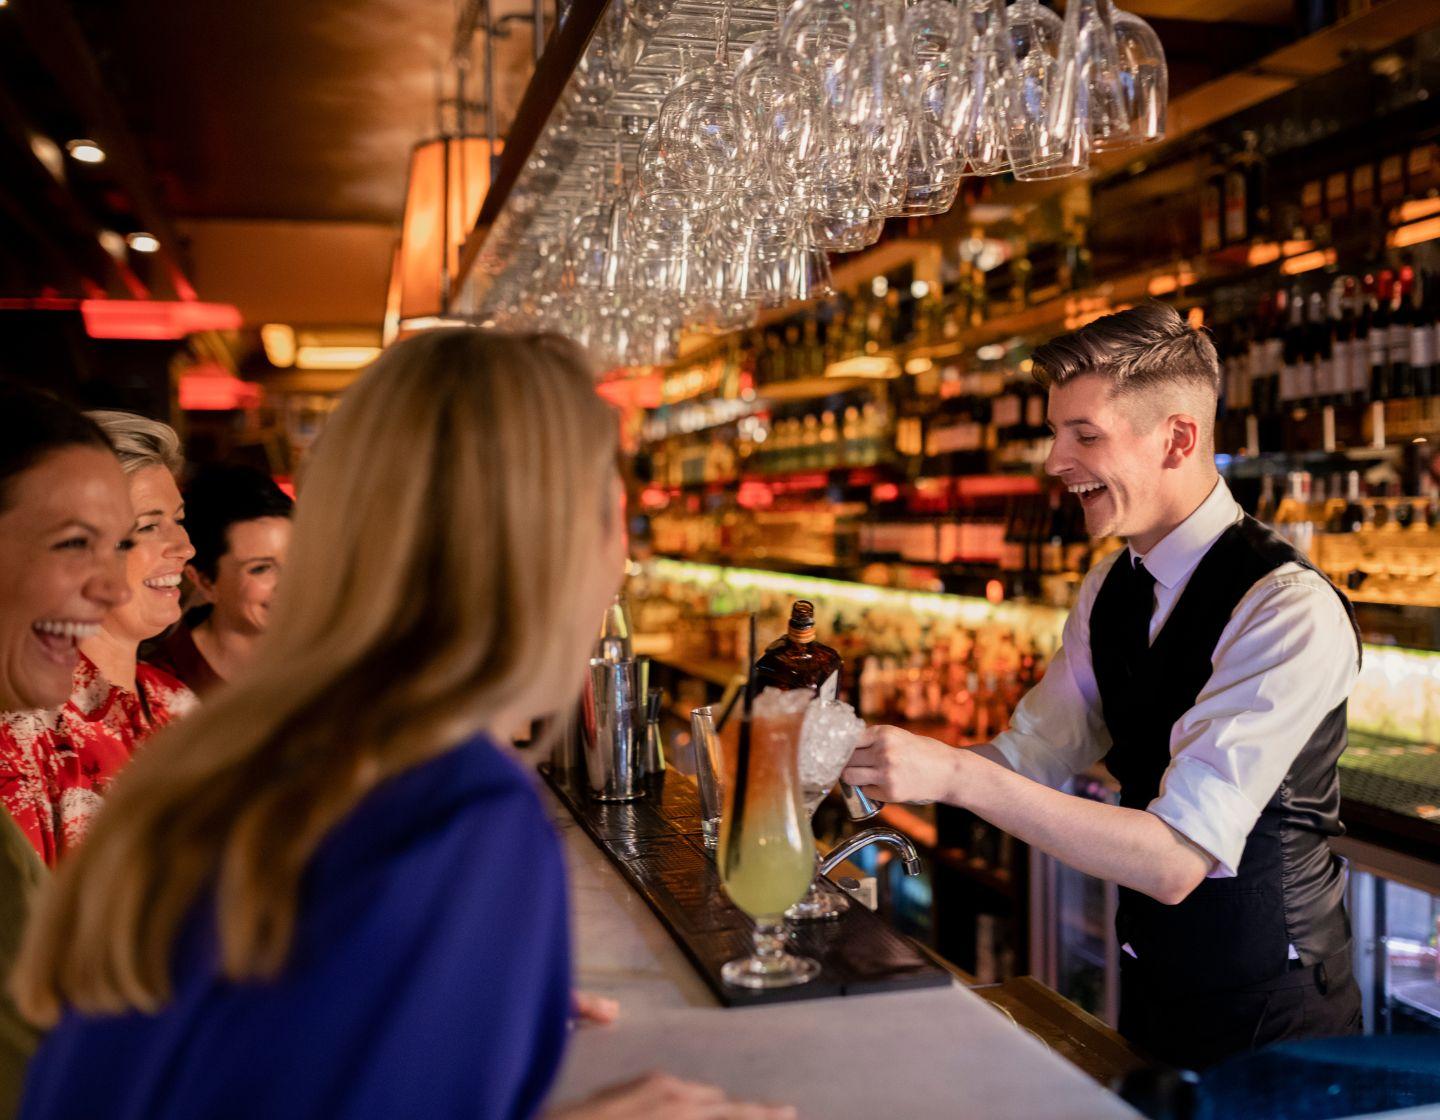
166 693
469 791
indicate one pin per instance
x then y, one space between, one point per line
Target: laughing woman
64 524
73 752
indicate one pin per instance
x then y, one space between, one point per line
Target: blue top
430 977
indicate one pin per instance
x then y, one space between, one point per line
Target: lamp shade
448 180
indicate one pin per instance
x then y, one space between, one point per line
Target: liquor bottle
1380 336
797 660
1342 315
1212 202
1293 367
1244 212
1322 351
1401 324
1423 356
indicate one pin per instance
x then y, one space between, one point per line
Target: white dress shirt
1284 661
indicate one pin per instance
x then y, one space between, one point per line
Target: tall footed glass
827 740
766 855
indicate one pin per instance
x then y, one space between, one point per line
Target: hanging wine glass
1037 150
1146 81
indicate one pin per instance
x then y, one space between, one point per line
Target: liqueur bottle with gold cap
797 660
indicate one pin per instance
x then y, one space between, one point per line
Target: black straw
742 758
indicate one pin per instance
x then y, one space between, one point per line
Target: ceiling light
864 365
279 342
86 151
335 357
48 153
879 286
112 242
143 242
991 353
919 289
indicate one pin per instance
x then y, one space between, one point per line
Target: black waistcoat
1289 889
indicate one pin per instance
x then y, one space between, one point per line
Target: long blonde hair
445 522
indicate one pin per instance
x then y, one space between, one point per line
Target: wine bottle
1380 336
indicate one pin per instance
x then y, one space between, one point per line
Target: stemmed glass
827 740
766 855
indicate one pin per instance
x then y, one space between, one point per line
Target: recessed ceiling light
143 242
86 151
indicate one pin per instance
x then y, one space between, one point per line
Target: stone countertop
917 1055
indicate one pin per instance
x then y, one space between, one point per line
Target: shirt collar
1181 550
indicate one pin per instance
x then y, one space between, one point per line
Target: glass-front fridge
1072 922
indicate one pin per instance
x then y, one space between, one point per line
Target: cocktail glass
766 855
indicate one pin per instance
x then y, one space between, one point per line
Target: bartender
1208 664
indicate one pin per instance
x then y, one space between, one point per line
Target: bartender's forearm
1130 847
1127 846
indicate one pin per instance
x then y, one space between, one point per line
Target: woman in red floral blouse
56 764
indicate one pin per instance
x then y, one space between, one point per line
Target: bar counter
934 1053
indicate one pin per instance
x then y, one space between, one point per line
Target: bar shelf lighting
85 151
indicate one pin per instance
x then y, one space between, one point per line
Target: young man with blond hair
1208 664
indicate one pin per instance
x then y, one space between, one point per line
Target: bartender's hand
659 1096
894 765
592 1009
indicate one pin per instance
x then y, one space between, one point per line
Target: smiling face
63 531
1117 471
246 575
157 560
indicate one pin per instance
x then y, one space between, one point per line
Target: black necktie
1142 606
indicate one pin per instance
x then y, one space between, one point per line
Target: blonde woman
62 760
327 893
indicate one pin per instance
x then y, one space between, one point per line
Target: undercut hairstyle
222 496
1138 349
139 441
34 424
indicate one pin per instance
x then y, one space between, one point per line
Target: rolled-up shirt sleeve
1058 728
1286 659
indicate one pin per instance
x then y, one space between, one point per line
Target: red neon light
286 484
754 495
997 485
210 387
40 303
885 492
155 319
632 392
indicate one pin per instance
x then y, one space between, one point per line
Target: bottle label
1422 347
1304 381
1235 207
1210 218
1360 366
1399 343
1287 382
1379 342
1324 377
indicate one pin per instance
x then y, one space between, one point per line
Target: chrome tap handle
880 835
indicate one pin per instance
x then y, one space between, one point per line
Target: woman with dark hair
64 757
64 526
239 525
